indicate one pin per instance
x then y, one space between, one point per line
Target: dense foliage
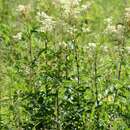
65 64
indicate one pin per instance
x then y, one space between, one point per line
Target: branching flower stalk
121 55
30 50
121 46
57 109
30 61
77 63
76 55
119 33
74 43
57 89
46 62
96 90
66 55
13 101
66 64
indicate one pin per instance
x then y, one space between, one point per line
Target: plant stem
78 73
57 95
96 92
57 109
46 63
77 64
30 61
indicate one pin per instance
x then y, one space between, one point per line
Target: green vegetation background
74 77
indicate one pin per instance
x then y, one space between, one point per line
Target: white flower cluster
128 49
104 48
127 14
71 12
116 30
92 45
72 8
86 7
18 36
21 8
24 9
110 27
106 96
69 2
71 30
47 22
108 20
86 29
63 44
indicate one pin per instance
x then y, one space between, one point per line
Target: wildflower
100 96
18 36
120 31
86 29
111 29
106 92
72 30
43 15
71 12
128 87
63 44
108 20
127 14
92 45
38 83
46 21
117 31
70 7
86 7
128 49
23 9
104 48
110 98
71 45
69 2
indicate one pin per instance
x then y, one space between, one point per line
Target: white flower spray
46 22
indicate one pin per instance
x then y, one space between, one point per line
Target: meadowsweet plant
65 65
